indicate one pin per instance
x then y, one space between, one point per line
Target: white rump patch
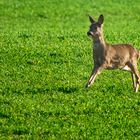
126 68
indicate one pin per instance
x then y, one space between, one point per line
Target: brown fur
119 56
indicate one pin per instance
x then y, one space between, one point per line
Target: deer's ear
91 19
101 19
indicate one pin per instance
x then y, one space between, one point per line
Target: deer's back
118 55
125 50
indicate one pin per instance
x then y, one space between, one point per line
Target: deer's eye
95 28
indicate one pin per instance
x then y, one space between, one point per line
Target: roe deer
119 56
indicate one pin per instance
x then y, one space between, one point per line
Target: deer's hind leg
135 75
128 68
133 79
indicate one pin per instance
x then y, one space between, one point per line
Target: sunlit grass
46 60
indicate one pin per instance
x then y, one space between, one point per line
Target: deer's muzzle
90 33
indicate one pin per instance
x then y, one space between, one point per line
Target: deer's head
95 30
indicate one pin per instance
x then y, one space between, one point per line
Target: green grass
45 61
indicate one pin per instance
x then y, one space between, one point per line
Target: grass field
45 62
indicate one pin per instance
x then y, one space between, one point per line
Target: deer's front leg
95 72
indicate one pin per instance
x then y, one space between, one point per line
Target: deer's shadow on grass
2 115
44 90
68 90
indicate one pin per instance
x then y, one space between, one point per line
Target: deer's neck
99 41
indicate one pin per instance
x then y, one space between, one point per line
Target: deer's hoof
87 86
